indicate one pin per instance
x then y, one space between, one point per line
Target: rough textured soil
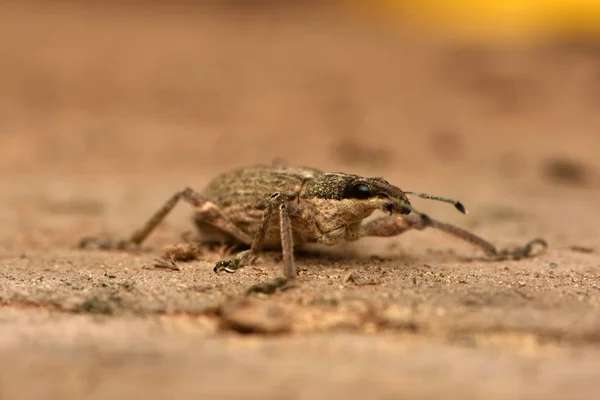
105 112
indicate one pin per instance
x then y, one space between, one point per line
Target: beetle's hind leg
206 211
395 225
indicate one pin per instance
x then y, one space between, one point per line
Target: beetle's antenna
459 206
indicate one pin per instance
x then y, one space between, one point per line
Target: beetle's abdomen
254 185
242 196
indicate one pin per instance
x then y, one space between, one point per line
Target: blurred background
141 86
475 98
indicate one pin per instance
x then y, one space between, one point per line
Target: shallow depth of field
108 108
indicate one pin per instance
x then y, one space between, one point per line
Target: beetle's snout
403 206
391 199
398 206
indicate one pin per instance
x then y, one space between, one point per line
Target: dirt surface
107 111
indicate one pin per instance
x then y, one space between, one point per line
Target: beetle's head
360 196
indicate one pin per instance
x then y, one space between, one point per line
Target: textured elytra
256 184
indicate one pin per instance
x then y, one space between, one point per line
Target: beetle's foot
233 264
105 243
519 253
227 265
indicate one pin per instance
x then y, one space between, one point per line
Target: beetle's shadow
346 255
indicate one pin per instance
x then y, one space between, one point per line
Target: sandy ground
105 112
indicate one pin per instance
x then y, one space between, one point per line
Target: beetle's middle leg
247 257
395 225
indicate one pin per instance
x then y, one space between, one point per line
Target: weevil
279 206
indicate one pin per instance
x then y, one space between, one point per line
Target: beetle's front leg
247 257
395 225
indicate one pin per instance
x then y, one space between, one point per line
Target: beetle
281 206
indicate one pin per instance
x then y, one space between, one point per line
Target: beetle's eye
360 191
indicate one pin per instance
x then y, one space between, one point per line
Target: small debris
523 294
99 305
367 282
348 277
582 249
352 277
268 287
182 252
205 288
166 264
377 258
398 318
254 317
566 171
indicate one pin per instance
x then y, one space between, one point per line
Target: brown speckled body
326 214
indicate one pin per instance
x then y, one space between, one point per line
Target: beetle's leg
287 246
395 225
207 211
287 241
247 257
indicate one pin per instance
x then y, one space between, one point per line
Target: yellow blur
499 18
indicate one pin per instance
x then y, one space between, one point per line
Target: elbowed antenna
459 206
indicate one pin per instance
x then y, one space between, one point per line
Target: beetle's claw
234 264
522 252
227 265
